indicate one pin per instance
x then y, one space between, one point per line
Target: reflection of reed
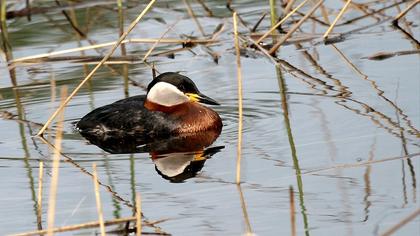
283 91
344 92
310 80
405 151
72 20
381 93
70 160
368 111
332 152
108 172
292 211
413 40
52 196
366 178
376 117
27 156
244 211
401 223
108 188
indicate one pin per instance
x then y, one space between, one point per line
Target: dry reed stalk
365 10
87 225
108 55
400 224
336 19
215 56
138 214
107 44
288 7
192 15
395 21
373 12
157 42
265 52
239 78
98 200
39 195
294 28
55 171
324 13
292 210
281 22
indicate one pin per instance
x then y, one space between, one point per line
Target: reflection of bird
179 166
170 107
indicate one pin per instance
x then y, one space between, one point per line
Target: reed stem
98 200
292 211
138 214
402 14
39 195
55 167
274 27
336 19
294 28
239 78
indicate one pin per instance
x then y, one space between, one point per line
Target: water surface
312 123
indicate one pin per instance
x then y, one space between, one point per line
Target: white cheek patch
166 94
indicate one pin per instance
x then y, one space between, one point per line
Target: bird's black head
183 84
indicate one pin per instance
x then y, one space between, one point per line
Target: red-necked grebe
171 107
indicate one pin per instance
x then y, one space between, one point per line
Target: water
325 138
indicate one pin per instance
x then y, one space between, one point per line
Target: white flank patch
166 94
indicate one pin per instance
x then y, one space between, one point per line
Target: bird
171 107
